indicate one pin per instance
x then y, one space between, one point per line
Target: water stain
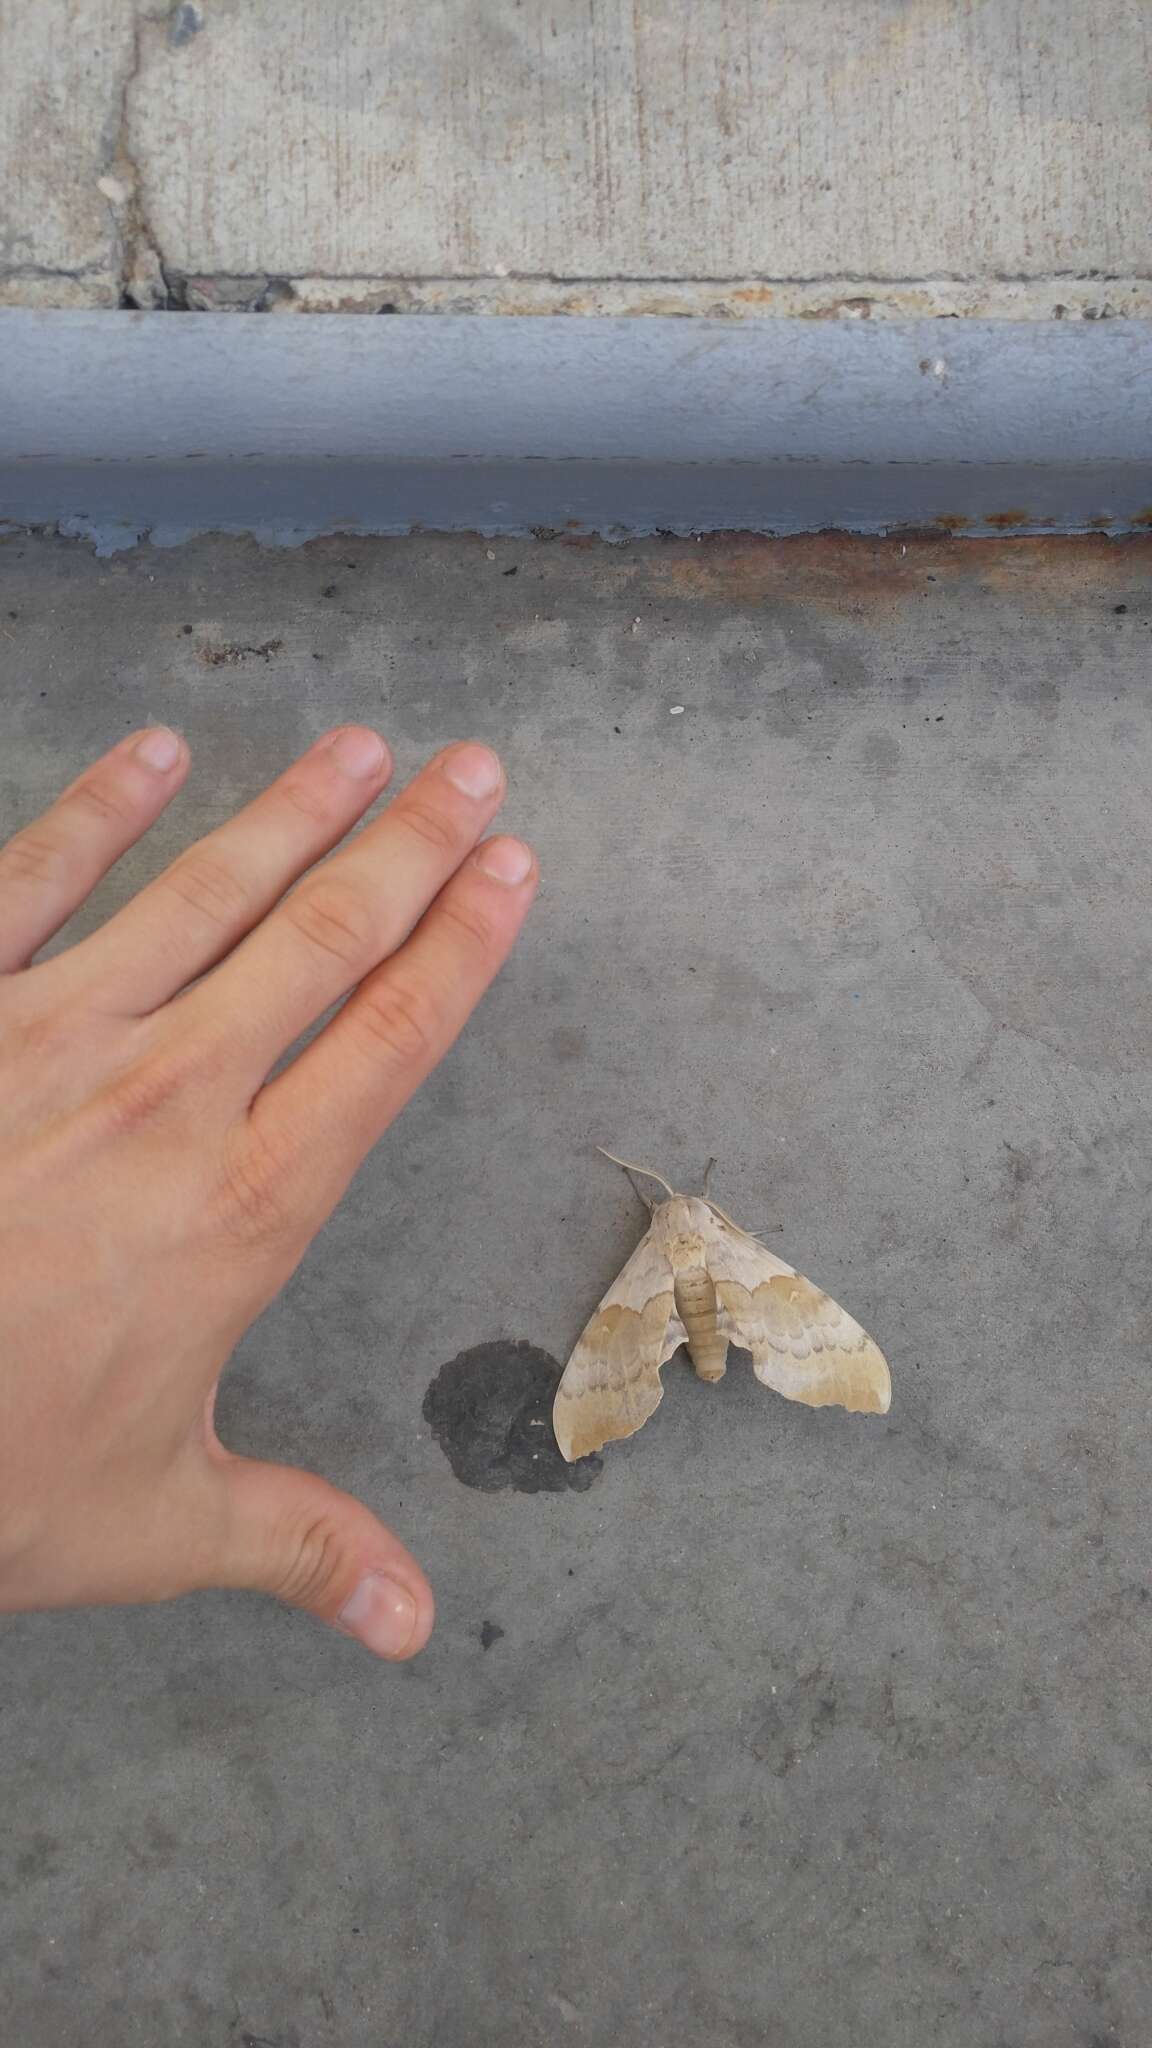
567 1042
881 753
490 1411
186 22
795 1722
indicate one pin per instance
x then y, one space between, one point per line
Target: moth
697 1279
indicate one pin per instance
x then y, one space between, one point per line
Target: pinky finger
50 868
328 1108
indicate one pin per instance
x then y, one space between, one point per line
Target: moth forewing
611 1383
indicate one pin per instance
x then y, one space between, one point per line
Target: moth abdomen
696 1308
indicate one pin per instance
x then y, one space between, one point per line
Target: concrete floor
789 1728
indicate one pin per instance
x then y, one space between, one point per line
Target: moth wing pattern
611 1384
803 1344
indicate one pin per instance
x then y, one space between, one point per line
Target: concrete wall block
65 66
663 139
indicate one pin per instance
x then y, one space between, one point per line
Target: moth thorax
696 1308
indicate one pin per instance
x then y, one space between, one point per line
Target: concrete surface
288 429
827 157
63 66
801 1730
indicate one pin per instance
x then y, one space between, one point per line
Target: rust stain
753 295
1143 518
952 522
1003 521
858 575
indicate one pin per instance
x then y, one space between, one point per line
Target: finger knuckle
317 1565
43 1032
399 1023
100 801
468 927
209 888
307 799
146 1093
335 919
37 856
429 824
253 1204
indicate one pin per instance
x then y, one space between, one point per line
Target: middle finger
349 914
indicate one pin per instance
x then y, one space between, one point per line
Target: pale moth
697 1279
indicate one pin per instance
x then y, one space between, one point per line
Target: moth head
685 1215
701 1206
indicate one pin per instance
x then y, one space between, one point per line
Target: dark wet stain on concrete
795 1721
186 22
490 1411
490 1632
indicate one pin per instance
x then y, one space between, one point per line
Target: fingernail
474 770
506 860
358 751
159 749
381 1615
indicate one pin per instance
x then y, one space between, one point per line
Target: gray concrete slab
816 157
802 1729
64 68
716 139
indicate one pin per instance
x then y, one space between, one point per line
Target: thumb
291 1534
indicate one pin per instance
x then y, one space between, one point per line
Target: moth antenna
630 1166
707 1178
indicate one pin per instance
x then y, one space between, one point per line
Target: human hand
157 1189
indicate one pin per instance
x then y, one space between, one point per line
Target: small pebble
676 711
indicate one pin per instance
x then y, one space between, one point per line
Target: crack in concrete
145 281
1043 298
79 274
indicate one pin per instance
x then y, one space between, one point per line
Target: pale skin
157 1188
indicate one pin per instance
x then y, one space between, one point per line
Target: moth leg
707 1178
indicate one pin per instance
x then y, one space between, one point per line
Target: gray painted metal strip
120 424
